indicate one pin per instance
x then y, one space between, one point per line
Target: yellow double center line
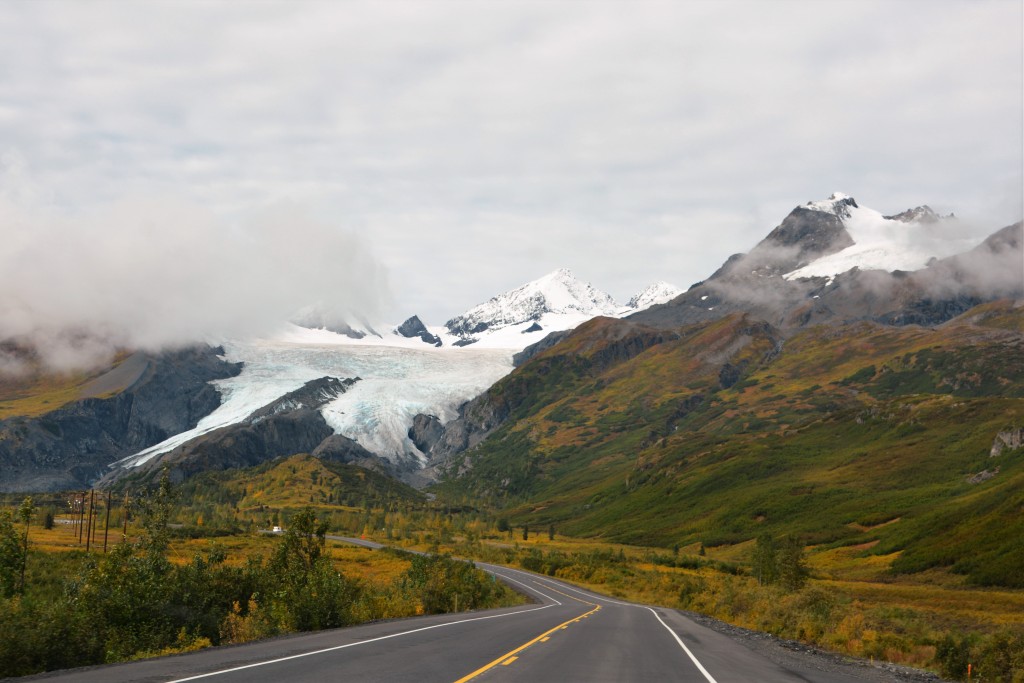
542 636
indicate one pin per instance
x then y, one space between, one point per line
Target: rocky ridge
73 446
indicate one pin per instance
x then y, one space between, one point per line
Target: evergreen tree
10 555
25 513
792 569
765 562
155 514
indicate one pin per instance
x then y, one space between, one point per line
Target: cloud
157 272
577 125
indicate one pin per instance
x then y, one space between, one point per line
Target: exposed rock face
426 430
804 235
343 449
71 447
291 424
982 476
535 348
919 214
1007 440
414 327
476 420
313 394
243 445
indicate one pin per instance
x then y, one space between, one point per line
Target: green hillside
235 496
718 432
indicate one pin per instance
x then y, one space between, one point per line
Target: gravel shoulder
790 652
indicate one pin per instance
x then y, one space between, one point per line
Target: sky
176 167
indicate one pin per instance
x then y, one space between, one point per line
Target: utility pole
81 516
106 522
124 533
88 528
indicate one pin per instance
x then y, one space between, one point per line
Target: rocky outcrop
476 421
414 327
313 394
1007 440
537 347
919 214
804 235
340 448
291 424
242 445
425 432
72 447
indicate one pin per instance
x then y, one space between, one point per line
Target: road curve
569 634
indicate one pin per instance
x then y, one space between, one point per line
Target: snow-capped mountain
407 371
559 292
829 260
907 241
657 293
835 260
555 302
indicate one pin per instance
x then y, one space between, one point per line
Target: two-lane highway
569 635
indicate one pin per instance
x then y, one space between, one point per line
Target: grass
850 605
37 391
844 428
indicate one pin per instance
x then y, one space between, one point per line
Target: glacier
401 377
396 383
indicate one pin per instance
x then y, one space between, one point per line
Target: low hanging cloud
155 273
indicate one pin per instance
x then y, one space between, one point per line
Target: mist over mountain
156 273
834 259
830 261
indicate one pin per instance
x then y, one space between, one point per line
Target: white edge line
590 594
685 649
657 616
373 640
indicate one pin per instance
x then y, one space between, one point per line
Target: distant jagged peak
838 204
558 292
320 317
414 327
919 214
657 293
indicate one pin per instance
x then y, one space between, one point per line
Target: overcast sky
471 146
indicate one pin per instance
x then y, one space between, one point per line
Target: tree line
133 601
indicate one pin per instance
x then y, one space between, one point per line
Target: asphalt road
568 635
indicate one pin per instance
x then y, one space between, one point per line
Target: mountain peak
414 327
656 293
557 292
919 214
838 204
